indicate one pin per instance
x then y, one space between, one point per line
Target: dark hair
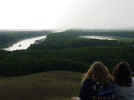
122 74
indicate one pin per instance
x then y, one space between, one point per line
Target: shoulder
133 79
88 81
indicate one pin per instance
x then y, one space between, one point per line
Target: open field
42 86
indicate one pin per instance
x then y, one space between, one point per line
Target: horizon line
60 30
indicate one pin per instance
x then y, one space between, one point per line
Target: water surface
24 44
98 37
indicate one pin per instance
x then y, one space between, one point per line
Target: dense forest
67 51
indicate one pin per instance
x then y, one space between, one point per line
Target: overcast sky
65 14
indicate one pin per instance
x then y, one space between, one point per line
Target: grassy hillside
42 86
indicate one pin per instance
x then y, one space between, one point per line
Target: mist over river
24 44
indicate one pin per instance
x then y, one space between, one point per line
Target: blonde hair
99 72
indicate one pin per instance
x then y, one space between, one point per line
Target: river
24 44
98 37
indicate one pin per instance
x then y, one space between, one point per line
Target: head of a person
122 74
98 72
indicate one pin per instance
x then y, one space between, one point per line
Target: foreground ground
42 86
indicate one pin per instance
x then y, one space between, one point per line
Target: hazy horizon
66 14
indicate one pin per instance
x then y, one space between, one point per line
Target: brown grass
43 86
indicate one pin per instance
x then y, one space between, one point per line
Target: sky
66 14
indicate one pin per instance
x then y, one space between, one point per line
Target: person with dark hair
122 77
97 84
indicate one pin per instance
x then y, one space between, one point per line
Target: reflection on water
98 37
24 44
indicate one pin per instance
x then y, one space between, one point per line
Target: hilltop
58 85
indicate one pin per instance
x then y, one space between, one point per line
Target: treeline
72 39
115 33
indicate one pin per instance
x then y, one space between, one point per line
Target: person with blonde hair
96 84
